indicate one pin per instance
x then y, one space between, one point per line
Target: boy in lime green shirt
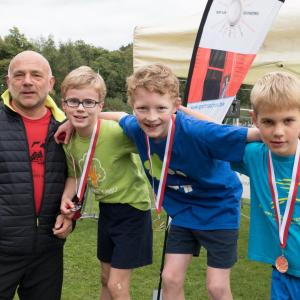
115 177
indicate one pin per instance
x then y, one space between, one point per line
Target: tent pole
163 258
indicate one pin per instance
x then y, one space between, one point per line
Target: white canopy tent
172 41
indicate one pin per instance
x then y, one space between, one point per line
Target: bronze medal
284 221
77 203
281 264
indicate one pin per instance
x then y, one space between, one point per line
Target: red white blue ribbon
166 162
86 168
284 221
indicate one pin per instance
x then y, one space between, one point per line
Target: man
32 177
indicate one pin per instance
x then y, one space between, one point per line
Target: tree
11 45
17 42
113 66
244 95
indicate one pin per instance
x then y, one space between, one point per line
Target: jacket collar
57 113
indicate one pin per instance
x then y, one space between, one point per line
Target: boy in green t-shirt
117 180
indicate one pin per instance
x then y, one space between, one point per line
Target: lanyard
79 198
166 162
284 221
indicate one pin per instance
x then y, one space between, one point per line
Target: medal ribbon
165 166
86 167
284 221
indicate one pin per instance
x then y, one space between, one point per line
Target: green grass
249 280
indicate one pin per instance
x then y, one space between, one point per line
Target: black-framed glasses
87 103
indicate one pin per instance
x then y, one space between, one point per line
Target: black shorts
124 236
221 245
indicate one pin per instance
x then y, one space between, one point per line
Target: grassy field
249 280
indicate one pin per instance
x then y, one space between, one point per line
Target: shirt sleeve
124 141
253 152
130 126
70 162
222 142
239 167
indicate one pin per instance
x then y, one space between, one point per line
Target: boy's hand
63 133
63 226
67 208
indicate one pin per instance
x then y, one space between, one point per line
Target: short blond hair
82 77
156 78
275 91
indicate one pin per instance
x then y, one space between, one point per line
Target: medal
281 264
77 204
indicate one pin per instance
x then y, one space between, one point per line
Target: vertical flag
229 36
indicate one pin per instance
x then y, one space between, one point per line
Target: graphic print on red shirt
36 131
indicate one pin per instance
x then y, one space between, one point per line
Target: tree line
114 66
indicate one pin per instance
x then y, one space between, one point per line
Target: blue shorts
221 245
124 236
284 286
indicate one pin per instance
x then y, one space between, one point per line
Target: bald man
32 177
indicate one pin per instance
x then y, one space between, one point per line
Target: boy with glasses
117 180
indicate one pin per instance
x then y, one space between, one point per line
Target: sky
102 23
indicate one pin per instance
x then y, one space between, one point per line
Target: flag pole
159 288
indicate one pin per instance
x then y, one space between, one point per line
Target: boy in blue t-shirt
273 168
202 193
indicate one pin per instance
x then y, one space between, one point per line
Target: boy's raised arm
64 133
252 135
112 115
195 113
